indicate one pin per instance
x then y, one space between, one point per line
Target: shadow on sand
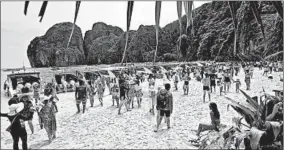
39 145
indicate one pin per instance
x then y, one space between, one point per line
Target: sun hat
15 108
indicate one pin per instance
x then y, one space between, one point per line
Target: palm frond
42 10
252 102
75 18
188 11
179 12
272 55
128 21
157 20
26 7
279 7
249 115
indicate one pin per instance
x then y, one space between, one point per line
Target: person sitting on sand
206 87
47 115
215 120
81 96
274 111
17 127
165 105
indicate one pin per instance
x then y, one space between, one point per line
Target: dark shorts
213 83
206 88
83 101
163 112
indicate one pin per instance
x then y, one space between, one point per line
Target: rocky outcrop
98 41
212 38
51 48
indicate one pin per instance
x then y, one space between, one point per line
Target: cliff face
50 49
212 38
98 41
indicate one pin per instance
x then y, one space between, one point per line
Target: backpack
162 100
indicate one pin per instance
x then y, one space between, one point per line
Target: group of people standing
124 90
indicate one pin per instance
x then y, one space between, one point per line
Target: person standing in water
165 105
206 87
81 95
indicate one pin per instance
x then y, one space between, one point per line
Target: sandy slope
101 127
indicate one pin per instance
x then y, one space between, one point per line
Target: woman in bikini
215 120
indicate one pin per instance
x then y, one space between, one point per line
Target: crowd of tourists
126 90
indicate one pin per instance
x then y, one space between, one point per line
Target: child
238 84
152 99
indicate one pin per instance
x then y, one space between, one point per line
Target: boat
17 83
70 78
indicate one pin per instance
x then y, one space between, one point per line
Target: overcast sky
17 30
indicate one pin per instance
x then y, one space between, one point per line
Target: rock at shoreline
51 48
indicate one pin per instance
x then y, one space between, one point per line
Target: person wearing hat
47 115
17 127
81 95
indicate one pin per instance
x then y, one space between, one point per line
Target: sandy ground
101 127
